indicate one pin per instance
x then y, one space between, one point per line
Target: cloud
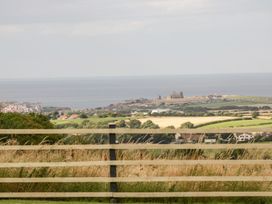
172 6
74 19
87 29
10 29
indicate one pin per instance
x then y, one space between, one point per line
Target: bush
187 125
134 123
255 114
24 121
220 121
149 124
121 124
27 121
83 115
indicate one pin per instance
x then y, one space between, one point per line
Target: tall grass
127 171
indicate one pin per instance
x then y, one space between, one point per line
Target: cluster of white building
21 108
212 139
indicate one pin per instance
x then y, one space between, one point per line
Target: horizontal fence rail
136 179
115 163
134 195
134 163
134 147
130 131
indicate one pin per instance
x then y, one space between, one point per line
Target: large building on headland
176 95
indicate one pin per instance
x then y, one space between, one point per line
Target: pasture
242 123
94 119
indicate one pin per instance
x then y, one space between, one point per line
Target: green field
253 99
237 101
219 104
93 119
229 124
242 123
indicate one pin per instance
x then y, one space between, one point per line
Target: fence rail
129 131
134 195
113 163
133 147
134 163
136 179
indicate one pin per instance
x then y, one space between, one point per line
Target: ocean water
101 91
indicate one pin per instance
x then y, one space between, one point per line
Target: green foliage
149 124
121 124
67 125
187 125
24 121
241 123
255 114
27 121
196 109
54 115
83 115
220 121
170 127
134 123
91 122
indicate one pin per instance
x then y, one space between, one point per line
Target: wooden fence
113 163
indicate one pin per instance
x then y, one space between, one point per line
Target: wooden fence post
113 169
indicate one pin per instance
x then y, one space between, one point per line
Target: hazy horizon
133 76
101 91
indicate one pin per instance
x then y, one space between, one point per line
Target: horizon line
129 76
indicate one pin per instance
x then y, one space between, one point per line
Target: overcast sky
80 38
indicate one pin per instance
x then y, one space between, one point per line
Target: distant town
172 111
174 104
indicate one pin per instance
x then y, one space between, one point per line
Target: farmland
166 121
68 155
242 123
93 119
177 121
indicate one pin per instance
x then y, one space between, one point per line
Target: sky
84 38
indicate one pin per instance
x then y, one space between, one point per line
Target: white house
210 140
160 111
243 137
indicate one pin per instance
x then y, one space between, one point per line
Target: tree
121 124
24 121
83 115
170 127
187 125
149 124
27 121
255 114
134 123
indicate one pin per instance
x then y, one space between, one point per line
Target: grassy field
130 171
216 105
237 101
93 119
177 121
242 123
252 99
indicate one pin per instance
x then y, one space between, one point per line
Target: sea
91 92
